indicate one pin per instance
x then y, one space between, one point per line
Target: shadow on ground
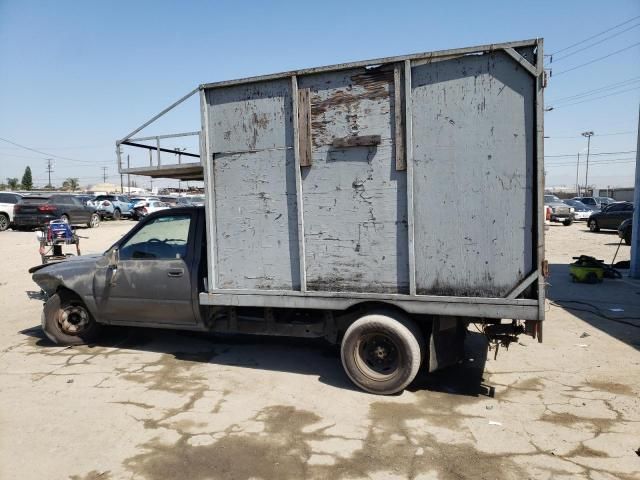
283 354
612 306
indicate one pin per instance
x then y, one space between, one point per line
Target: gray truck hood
72 273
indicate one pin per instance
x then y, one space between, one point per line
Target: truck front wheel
66 320
381 353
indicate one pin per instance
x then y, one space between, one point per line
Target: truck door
152 282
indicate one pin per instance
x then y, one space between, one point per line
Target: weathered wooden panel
473 148
254 186
354 198
251 117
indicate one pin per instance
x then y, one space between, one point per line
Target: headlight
571 209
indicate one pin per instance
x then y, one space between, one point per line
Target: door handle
178 272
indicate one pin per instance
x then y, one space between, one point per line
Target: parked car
580 210
624 230
172 200
192 200
113 206
604 201
140 202
8 201
610 217
86 199
143 209
560 212
37 210
597 203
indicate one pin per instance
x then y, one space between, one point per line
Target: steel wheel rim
377 356
4 222
95 220
73 319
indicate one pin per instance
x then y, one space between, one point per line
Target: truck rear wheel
382 353
66 320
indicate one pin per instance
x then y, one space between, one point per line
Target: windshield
551 199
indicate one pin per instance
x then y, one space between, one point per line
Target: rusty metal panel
251 136
473 151
354 198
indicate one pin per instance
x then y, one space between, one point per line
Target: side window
5 198
163 238
614 208
61 200
76 201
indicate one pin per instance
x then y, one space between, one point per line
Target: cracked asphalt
154 404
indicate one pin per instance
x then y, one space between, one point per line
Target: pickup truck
560 211
152 277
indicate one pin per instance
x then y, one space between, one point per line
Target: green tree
13 183
71 184
27 180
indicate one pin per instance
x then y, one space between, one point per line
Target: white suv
7 202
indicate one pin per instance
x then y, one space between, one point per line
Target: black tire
66 320
65 218
94 222
4 222
627 237
117 214
382 353
593 225
567 222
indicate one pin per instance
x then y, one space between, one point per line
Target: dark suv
38 210
611 216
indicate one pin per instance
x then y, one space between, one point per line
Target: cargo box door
354 197
473 149
251 140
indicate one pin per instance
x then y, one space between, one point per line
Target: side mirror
114 257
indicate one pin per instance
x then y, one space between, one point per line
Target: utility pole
104 174
49 170
120 170
577 181
129 176
588 134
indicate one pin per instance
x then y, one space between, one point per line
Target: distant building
104 188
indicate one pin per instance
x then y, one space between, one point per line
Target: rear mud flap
446 342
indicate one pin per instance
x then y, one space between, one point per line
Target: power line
564 163
604 88
45 153
630 132
594 36
594 44
593 154
596 60
596 98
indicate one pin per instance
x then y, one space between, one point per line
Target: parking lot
153 404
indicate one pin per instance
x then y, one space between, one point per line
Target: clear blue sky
77 75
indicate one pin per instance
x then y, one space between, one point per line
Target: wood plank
299 201
304 126
401 160
408 115
357 141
